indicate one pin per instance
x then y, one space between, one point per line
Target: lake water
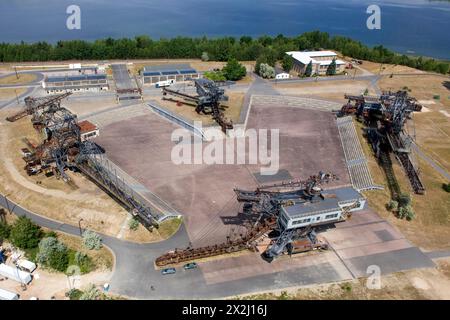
416 26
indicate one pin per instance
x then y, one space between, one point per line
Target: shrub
409 214
92 293
51 234
83 261
133 224
74 294
392 205
25 234
214 76
5 230
404 200
406 212
283 296
53 254
446 187
92 240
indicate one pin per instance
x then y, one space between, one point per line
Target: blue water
417 26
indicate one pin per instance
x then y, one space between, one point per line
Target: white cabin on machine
327 209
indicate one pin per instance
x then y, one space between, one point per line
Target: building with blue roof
176 72
76 82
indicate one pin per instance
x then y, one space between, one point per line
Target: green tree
331 70
5 231
406 212
92 240
266 71
133 224
25 234
205 56
392 205
233 70
309 69
287 63
404 200
53 254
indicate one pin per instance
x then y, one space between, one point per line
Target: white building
320 61
85 79
282 75
328 208
88 130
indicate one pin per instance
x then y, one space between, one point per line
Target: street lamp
79 226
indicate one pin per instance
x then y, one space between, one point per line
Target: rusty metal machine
262 206
385 117
62 149
33 105
208 98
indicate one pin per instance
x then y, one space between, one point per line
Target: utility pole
17 98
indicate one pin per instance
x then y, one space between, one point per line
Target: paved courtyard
142 146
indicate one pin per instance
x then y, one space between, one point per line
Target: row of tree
268 49
45 248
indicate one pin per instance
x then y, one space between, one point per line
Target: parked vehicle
190 266
168 271
166 83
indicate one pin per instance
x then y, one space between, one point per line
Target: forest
245 48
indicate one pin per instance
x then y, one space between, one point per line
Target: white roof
320 53
299 56
306 57
328 62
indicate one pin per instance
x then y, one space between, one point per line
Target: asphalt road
135 275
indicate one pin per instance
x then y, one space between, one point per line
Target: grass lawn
24 78
430 229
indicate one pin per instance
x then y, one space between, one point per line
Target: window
301 221
331 216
